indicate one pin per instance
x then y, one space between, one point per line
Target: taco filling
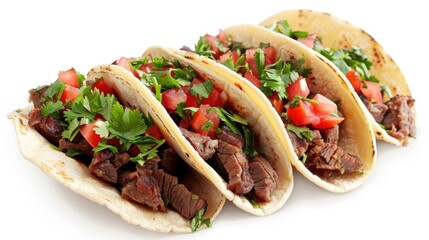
118 144
205 118
393 113
311 120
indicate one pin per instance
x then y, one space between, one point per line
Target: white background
39 38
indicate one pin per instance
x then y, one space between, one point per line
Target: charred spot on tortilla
238 86
205 62
189 57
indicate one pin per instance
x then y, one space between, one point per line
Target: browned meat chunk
264 177
204 145
48 126
399 119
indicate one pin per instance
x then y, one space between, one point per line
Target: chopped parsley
207 125
52 108
284 28
252 200
304 158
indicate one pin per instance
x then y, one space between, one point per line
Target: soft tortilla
77 178
356 135
272 149
339 34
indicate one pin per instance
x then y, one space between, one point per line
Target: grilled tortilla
270 144
356 135
340 34
75 175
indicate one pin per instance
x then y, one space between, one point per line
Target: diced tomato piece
211 40
297 88
253 79
89 134
69 77
69 94
196 81
250 59
222 36
234 56
302 114
114 141
276 102
328 122
270 55
372 91
201 117
355 80
325 107
172 97
217 98
153 131
148 67
191 100
184 124
125 63
101 85
135 150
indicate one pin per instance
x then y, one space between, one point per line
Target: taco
373 74
329 139
215 123
96 138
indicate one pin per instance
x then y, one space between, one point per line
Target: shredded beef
36 96
143 188
228 136
331 135
399 119
79 144
178 196
300 146
152 163
105 165
232 160
48 126
204 145
264 177
171 162
327 156
377 110
186 48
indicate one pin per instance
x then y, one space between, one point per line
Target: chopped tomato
325 107
114 142
276 102
191 100
222 36
184 124
196 81
302 114
217 98
201 117
270 55
69 94
148 67
250 59
135 150
372 91
89 134
69 77
354 79
172 97
103 87
125 63
153 131
212 41
328 122
254 80
234 55
297 88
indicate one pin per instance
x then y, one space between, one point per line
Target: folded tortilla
337 33
270 144
356 134
75 176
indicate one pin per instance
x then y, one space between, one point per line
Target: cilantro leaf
202 90
51 108
103 145
260 60
138 159
203 48
55 89
160 63
72 130
249 142
300 132
149 145
207 125
136 64
229 119
198 220
126 124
